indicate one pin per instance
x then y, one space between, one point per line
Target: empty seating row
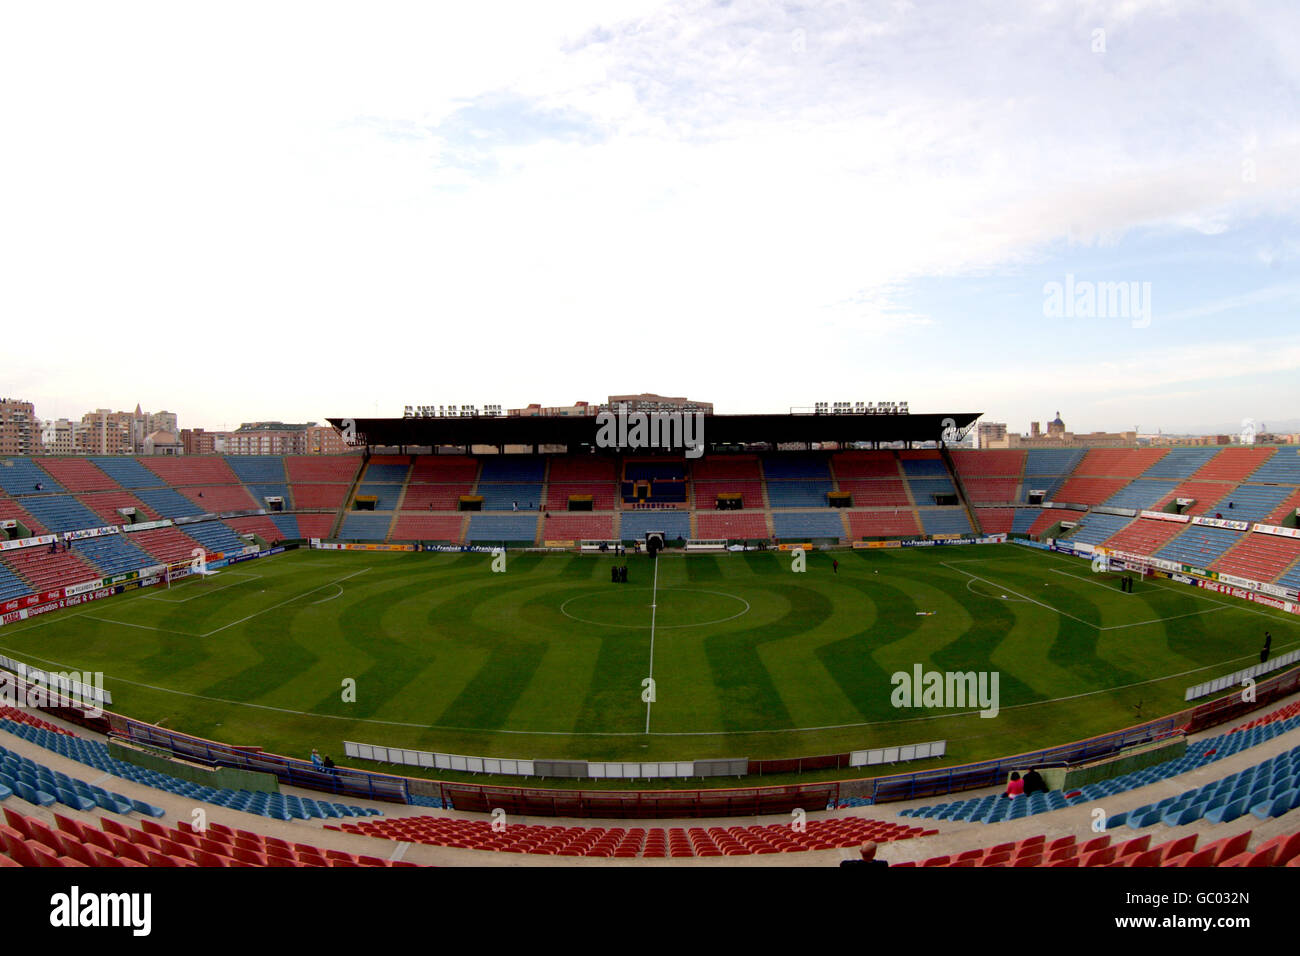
95 754
631 842
41 786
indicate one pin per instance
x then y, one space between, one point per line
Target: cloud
652 191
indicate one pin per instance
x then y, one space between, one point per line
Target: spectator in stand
1034 783
1015 786
316 762
867 852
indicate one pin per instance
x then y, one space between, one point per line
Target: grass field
547 659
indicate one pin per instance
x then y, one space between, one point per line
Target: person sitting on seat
868 854
1034 783
1015 786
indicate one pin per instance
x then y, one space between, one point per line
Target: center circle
672 612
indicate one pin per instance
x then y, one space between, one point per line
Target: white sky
252 211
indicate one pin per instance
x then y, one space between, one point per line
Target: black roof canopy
578 431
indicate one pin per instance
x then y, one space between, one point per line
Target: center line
654 604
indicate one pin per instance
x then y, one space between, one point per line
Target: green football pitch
749 657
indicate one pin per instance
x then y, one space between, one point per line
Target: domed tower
1056 427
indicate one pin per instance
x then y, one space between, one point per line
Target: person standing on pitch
835 565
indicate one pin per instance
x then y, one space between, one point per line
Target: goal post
195 567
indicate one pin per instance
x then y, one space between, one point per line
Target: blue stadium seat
20 476
502 527
62 513
512 468
674 524
258 469
365 526
945 521
128 472
805 525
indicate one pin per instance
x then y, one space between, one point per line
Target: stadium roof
718 430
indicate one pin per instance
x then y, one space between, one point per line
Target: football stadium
841 645
509 500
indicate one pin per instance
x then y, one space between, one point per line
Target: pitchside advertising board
1258 592
20 609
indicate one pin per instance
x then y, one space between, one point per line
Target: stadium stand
11 510
315 525
511 496
502 527
945 521
169 502
1119 462
127 472
1234 464
1251 502
385 472
720 468
807 525
1199 545
737 525
994 808
798 493
112 554
674 524
1285 509
167 545
113 844
877 492
264 526
1088 491
1180 463
21 476
1144 535
604 495
1046 468
191 470
1283 468
107 504
576 527
581 468
95 754
60 513
428 527
1047 517
442 468
513 469
214 499
39 785
1142 494
386 495
443 497
632 842
1206 495
1095 528
77 474
883 524
923 490
365 526
272 470
795 469
1259 557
